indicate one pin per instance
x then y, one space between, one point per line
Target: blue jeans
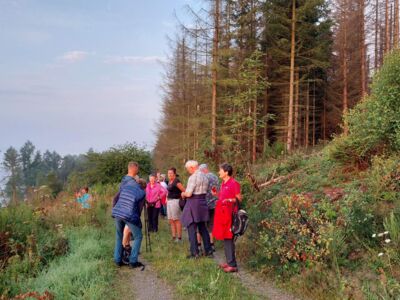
137 241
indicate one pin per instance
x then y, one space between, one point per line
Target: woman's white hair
191 163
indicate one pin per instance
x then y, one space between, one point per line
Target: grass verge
55 250
86 272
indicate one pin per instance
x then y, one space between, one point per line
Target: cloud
134 60
74 56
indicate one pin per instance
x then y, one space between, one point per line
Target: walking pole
145 225
146 229
148 234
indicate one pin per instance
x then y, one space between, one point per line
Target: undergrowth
44 245
317 232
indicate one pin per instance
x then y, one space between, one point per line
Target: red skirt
223 221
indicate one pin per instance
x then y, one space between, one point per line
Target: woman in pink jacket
154 193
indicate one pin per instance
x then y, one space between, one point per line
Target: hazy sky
76 74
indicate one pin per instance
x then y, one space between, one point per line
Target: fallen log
275 180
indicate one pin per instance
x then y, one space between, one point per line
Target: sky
76 74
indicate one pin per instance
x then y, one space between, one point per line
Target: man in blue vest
127 211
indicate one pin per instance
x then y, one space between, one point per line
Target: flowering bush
295 233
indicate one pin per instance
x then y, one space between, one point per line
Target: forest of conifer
249 76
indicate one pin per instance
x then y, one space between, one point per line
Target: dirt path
143 285
260 287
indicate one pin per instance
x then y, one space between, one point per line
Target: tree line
27 169
248 75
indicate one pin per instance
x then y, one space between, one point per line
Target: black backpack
240 221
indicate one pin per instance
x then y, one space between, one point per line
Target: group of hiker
204 208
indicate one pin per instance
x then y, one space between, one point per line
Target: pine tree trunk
215 75
382 45
296 112
396 24
391 27
376 34
14 194
196 79
185 102
254 148
387 37
344 72
289 144
188 121
362 49
265 112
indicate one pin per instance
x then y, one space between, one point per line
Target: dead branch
276 180
253 181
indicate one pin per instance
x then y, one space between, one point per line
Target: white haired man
195 214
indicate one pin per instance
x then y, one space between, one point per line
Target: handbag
182 203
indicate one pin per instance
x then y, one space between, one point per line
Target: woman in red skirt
228 195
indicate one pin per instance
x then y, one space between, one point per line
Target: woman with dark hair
226 204
175 189
154 193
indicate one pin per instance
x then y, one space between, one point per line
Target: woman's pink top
155 193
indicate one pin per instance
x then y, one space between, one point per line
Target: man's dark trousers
192 232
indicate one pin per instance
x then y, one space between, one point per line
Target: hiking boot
200 249
119 264
137 264
209 255
230 269
212 247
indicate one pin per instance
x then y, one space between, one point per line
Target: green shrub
374 124
275 150
33 235
109 166
294 234
32 242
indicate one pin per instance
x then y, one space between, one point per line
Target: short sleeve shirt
197 183
229 189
